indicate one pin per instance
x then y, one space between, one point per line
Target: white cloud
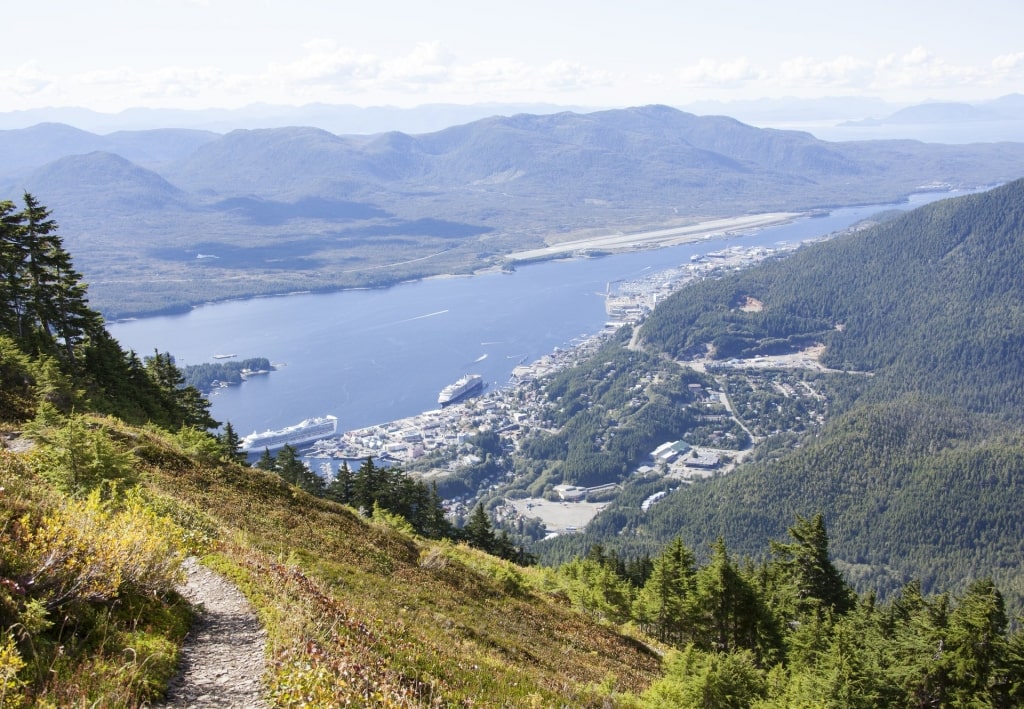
922 70
126 86
716 74
429 68
919 56
24 80
327 71
841 72
325 63
1009 63
917 70
428 62
501 72
570 76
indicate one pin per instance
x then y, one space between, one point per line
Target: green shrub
91 550
10 665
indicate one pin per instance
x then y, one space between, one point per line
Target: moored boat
303 432
465 386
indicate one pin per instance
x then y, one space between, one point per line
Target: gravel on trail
222 660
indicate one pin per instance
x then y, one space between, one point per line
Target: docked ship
463 387
309 430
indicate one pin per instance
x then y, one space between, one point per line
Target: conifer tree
42 298
805 565
185 405
340 488
366 486
266 461
59 309
478 531
230 442
288 465
437 525
977 647
727 613
917 661
661 605
12 258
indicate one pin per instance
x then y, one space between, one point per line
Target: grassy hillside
356 611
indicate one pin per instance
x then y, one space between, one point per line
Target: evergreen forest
918 467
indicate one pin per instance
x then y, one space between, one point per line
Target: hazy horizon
201 54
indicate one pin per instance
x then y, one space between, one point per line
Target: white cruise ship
463 387
309 430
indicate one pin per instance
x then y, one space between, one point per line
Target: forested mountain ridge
929 302
451 201
919 469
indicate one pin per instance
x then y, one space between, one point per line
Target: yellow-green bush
93 549
10 665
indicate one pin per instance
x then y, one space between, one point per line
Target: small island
212 375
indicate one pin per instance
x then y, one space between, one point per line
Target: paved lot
558 516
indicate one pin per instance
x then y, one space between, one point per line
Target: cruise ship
309 430
465 386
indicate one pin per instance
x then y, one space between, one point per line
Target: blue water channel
371 356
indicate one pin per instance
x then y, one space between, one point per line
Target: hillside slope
919 468
357 610
929 302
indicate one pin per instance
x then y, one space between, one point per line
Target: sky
109 55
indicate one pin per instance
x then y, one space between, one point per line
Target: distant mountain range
336 118
301 208
356 120
1007 108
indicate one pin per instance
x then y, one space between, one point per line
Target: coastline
507 407
577 248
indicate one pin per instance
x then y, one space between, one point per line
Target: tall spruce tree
340 488
43 300
184 405
479 532
288 465
12 259
804 564
726 610
230 442
661 605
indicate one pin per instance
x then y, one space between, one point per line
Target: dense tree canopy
790 632
920 462
72 361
